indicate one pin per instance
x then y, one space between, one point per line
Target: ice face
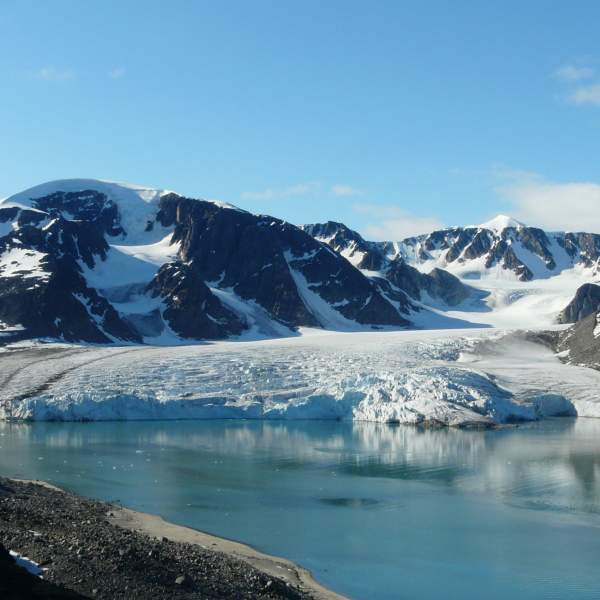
451 378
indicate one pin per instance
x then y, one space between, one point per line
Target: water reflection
550 465
374 510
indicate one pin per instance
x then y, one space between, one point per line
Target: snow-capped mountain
97 261
502 248
500 273
87 260
390 271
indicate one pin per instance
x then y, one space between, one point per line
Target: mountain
84 260
580 343
501 273
95 261
501 248
389 270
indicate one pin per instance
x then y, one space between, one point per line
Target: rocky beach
91 549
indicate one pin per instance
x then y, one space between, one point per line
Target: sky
394 117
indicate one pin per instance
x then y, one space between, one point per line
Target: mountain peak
136 204
501 222
127 195
112 189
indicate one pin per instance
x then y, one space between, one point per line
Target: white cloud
53 74
340 189
589 94
391 223
571 206
298 189
117 73
573 73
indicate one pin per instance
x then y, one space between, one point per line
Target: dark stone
16 583
397 280
253 255
585 303
89 206
498 248
580 344
5 554
444 285
58 302
193 311
68 522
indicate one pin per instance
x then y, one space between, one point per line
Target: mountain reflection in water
368 507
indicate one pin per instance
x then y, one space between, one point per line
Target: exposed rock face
441 284
528 252
585 303
42 288
582 247
192 310
239 251
273 263
94 261
581 342
382 263
89 206
362 254
68 270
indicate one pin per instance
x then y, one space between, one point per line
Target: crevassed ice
408 377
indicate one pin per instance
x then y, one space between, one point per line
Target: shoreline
274 566
280 575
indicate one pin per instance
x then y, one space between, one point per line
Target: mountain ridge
128 262
96 261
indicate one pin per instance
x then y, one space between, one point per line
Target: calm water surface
374 511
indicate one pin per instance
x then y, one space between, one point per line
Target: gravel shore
100 551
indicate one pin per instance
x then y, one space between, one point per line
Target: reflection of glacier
554 465
405 377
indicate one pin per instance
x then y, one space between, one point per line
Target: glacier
462 378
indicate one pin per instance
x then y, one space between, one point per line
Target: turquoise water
374 511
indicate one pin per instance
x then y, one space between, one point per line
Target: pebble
73 527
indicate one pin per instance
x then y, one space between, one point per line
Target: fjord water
374 511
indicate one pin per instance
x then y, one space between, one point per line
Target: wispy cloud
572 73
117 73
298 189
589 94
340 189
392 223
53 74
537 201
579 93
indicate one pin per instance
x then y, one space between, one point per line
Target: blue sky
393 117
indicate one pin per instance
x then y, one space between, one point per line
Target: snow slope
500 223
514 304
22 262
508 302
